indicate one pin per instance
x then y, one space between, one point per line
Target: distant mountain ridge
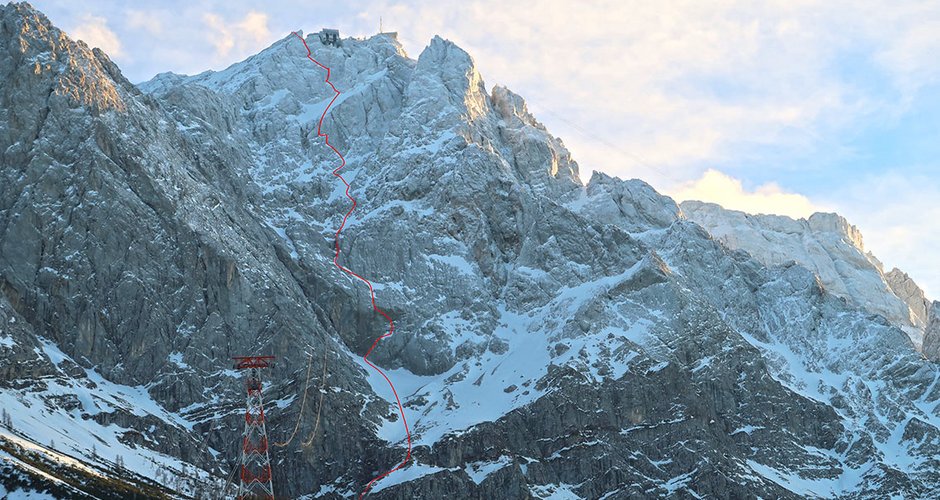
830 247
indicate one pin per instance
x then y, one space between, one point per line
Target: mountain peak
512 106
43 56
445 73
27 12
440 45
26 29
826 222
631 204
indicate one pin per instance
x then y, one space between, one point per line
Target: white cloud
255 25
94 31
220 35
150 22
245 36
720 188
906 55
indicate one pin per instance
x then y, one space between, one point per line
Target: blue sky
776 107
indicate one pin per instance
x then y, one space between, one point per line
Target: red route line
391 325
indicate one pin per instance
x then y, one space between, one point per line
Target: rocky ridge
832 248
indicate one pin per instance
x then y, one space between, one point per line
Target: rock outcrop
932 335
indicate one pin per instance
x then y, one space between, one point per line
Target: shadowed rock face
907 290
551 337
932 336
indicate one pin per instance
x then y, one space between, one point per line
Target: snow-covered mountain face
554 339
830 247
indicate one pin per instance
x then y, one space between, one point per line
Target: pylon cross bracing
255 478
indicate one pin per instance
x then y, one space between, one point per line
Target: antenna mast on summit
380 25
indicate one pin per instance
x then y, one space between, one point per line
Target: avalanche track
391 324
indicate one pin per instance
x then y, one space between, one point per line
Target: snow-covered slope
554 339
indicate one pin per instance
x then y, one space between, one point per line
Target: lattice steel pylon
255 463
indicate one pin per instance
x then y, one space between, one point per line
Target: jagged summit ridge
821 223
445 71
828 245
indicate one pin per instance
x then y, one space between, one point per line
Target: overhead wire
303 403
635 158
316 425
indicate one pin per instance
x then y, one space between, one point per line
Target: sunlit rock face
553 338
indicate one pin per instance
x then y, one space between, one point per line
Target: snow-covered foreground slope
73 416
554 339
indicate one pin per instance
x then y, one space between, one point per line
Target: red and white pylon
255 463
